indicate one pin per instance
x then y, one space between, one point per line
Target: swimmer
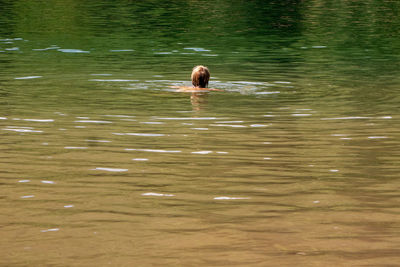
200 77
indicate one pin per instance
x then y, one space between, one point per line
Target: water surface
103 163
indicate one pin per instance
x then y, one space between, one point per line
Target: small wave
73 51
153 150
230 198
112 80
282 82
50 230
229 125
197 49
258 125
152 122
92 121
39 120
28 196
267 93
202 152
46 49
230 121
140 134
119 116
110 169
301 115
122 50
48 182
347 118
157 194
28 77
23 130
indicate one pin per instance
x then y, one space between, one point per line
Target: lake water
295 162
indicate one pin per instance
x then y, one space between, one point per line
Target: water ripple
39 120
72 51
110 169
119 116
140 134
19 130
267 93
230 198
202 152
122 50
50 230
112 80
197 49
153 150
347 118
28 196
27 77
48 182
229 125
92 121
188 118
157 194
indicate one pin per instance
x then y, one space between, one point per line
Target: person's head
200 76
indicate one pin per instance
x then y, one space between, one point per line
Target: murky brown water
101 163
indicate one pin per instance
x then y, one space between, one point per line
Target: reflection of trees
251 38
360 59
7 17
357 23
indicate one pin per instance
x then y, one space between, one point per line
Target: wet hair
200 76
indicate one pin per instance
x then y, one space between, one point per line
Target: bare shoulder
193 89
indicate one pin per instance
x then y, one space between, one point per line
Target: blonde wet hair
200 76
